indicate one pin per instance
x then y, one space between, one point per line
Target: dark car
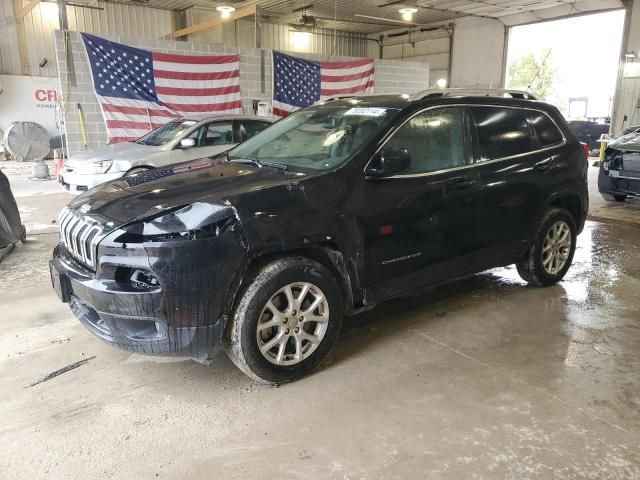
619 175
589 132
331 210
11 229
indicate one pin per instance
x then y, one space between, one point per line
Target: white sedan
178 141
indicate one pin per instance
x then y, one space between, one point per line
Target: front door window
434 140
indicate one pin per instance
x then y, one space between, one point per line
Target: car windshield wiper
248 161
281 166
258 163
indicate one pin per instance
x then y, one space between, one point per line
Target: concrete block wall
391 76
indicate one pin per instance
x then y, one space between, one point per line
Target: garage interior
485 377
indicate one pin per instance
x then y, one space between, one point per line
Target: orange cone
57 158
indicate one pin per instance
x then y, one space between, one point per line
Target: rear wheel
613 198
286 320
551 253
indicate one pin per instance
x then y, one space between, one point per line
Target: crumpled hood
117 151
630 142
147 194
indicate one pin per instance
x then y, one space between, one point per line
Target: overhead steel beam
243 12
22 43
64 27
24 10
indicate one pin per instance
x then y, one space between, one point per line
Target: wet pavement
484 378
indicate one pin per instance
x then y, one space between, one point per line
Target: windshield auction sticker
366 111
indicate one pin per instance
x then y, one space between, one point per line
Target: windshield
320 137
165 133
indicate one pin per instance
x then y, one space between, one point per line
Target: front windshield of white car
165 133
319 137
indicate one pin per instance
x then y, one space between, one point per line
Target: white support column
626 109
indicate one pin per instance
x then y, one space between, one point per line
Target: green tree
533 73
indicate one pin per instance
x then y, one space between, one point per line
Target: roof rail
473 92
349 95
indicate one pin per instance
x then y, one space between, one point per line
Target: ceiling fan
305 23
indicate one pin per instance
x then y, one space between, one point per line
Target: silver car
178 141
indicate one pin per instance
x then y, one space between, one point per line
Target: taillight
585 149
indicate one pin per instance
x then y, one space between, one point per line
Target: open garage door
570 63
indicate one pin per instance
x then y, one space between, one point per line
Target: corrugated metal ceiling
345 15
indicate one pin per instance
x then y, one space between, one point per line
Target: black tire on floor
613 198
530 267
241 341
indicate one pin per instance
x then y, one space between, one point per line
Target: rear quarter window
499 132
547 132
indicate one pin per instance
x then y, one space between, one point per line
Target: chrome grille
80 237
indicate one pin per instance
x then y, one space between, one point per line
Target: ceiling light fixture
225 11
49 12
407 13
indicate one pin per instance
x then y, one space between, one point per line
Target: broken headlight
95 168
191 222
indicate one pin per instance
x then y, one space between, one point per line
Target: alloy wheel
292 323
556 247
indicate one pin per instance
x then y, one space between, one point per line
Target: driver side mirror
187 143
388 162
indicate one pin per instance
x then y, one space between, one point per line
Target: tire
613 198
135 170
531 267
299 355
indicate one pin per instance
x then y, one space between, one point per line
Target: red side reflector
386 229
585 149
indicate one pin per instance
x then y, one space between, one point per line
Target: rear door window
546 131
218 133
499 133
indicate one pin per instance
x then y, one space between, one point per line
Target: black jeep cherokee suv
333 209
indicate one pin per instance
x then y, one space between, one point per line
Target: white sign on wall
32 99
631 70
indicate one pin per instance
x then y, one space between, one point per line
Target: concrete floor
486 378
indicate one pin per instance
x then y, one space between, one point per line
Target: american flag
139 90
158 173
299 83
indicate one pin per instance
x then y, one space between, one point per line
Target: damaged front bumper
619 182
180 309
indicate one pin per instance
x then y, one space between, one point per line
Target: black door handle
543 165
461 183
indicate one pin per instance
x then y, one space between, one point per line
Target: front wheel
551 253
286 320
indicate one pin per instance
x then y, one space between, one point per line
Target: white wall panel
38 27
241 33
9 57
431 48
128 20
478 46
9 54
